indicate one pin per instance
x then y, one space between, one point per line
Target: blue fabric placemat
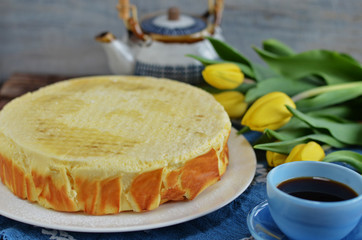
228 222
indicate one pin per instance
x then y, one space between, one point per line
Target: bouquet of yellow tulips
303 103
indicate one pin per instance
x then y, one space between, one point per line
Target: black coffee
317 189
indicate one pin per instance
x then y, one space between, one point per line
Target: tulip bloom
275 159
233 103
269 112
310 151
223 75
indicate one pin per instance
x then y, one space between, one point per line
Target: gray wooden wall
57 36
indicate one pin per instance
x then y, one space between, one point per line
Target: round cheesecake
108 144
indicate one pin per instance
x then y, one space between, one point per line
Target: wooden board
20 83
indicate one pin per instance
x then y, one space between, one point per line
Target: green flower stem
352 158
244 130
248 80
326 147
315 91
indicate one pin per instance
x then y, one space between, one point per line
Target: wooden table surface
20 83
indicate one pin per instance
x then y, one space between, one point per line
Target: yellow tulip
269 112
223 75
310 151
233 103
275 159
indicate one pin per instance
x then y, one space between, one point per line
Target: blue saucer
262 226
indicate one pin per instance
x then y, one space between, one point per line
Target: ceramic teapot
157 45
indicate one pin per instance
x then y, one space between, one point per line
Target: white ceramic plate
236 179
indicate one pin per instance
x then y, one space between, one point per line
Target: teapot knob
173 13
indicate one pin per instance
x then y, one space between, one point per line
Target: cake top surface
131 123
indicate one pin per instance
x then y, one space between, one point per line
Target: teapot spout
120 57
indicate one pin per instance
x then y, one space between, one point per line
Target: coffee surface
317 189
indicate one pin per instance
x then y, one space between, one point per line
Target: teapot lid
173 24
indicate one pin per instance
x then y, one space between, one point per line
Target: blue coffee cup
302 219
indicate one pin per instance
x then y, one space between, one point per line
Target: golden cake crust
78 146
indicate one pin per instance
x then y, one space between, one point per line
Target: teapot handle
216 8
128 12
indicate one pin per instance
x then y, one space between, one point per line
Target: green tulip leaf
352 158
288 86
285 147
329 98
277 48
330 118
332 66
245 87
348 133
264 138
244 68
287 134
342 112
204 61
262 73
350 58
294 123
227 52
